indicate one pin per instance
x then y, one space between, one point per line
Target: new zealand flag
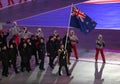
82 21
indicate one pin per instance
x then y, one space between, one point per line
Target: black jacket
50 47
24 54
13 53
41 49
69 45
33 42
5 56
4 39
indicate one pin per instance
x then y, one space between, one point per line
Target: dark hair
50 37
32 36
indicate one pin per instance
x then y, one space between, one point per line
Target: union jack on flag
81 20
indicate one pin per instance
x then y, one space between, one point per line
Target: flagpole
68 28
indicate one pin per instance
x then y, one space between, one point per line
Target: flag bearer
63 59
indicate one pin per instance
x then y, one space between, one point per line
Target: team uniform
25 33
25 62
34 48
13 53
74 41
15 32
51 51
100 44
3 38
41 54
68 46
57 44
63 61
5 60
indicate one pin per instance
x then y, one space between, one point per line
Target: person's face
62 46
13 41
56 33
58 38
11 46
4 48
72 33
52 39
24 45
15 24
41 40
100 37
28 40
39 31
23 29
33 37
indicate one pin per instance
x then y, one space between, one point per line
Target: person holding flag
81 21
63 60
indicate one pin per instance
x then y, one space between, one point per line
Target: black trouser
13 62
25 63
66 68
36 59
69 53
5 67
41 57
51 59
